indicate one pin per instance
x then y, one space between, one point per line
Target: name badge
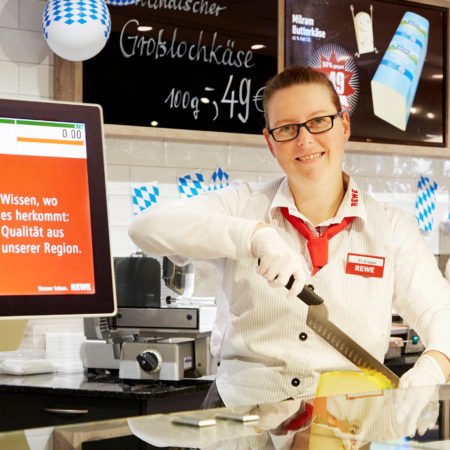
366 265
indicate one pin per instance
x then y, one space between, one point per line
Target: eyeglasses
314 126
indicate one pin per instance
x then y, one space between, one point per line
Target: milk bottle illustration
395 82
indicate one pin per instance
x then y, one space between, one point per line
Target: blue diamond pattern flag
219 180
426 203
191 185
144 196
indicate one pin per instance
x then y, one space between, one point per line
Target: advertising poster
45 226
386 59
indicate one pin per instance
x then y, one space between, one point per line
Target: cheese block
351 382
396 79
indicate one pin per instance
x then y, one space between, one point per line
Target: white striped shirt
257 329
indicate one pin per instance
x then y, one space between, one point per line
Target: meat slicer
152 338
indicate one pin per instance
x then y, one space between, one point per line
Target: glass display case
390 419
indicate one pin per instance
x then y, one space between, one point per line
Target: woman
314 224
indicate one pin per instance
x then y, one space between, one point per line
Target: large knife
317 320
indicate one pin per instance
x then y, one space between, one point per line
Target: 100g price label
235 101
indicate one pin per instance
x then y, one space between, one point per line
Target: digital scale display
45 223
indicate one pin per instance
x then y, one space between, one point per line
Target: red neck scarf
317 246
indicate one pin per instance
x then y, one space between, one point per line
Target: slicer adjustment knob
150 360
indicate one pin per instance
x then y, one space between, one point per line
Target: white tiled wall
26 62
26 71
388 178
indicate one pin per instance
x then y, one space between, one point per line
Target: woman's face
308 157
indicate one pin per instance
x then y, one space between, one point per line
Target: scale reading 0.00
72 133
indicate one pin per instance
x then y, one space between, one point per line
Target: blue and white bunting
191 185
219 180
144 196
426 203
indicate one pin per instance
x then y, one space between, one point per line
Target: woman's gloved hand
426 371
277 261
417 401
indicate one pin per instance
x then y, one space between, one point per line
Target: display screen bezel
102 302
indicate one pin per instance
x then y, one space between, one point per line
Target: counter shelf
369 420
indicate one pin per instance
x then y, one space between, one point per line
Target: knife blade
317 320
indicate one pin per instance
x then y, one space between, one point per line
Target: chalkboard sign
186 64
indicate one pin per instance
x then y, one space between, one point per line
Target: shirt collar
352 204
284 198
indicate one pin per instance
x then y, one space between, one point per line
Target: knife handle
307 295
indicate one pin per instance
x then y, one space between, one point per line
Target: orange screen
45 235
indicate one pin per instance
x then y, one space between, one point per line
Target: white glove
425 371
277 262
417 401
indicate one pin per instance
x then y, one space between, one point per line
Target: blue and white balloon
121 2
76 29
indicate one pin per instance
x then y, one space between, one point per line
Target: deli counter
390 419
